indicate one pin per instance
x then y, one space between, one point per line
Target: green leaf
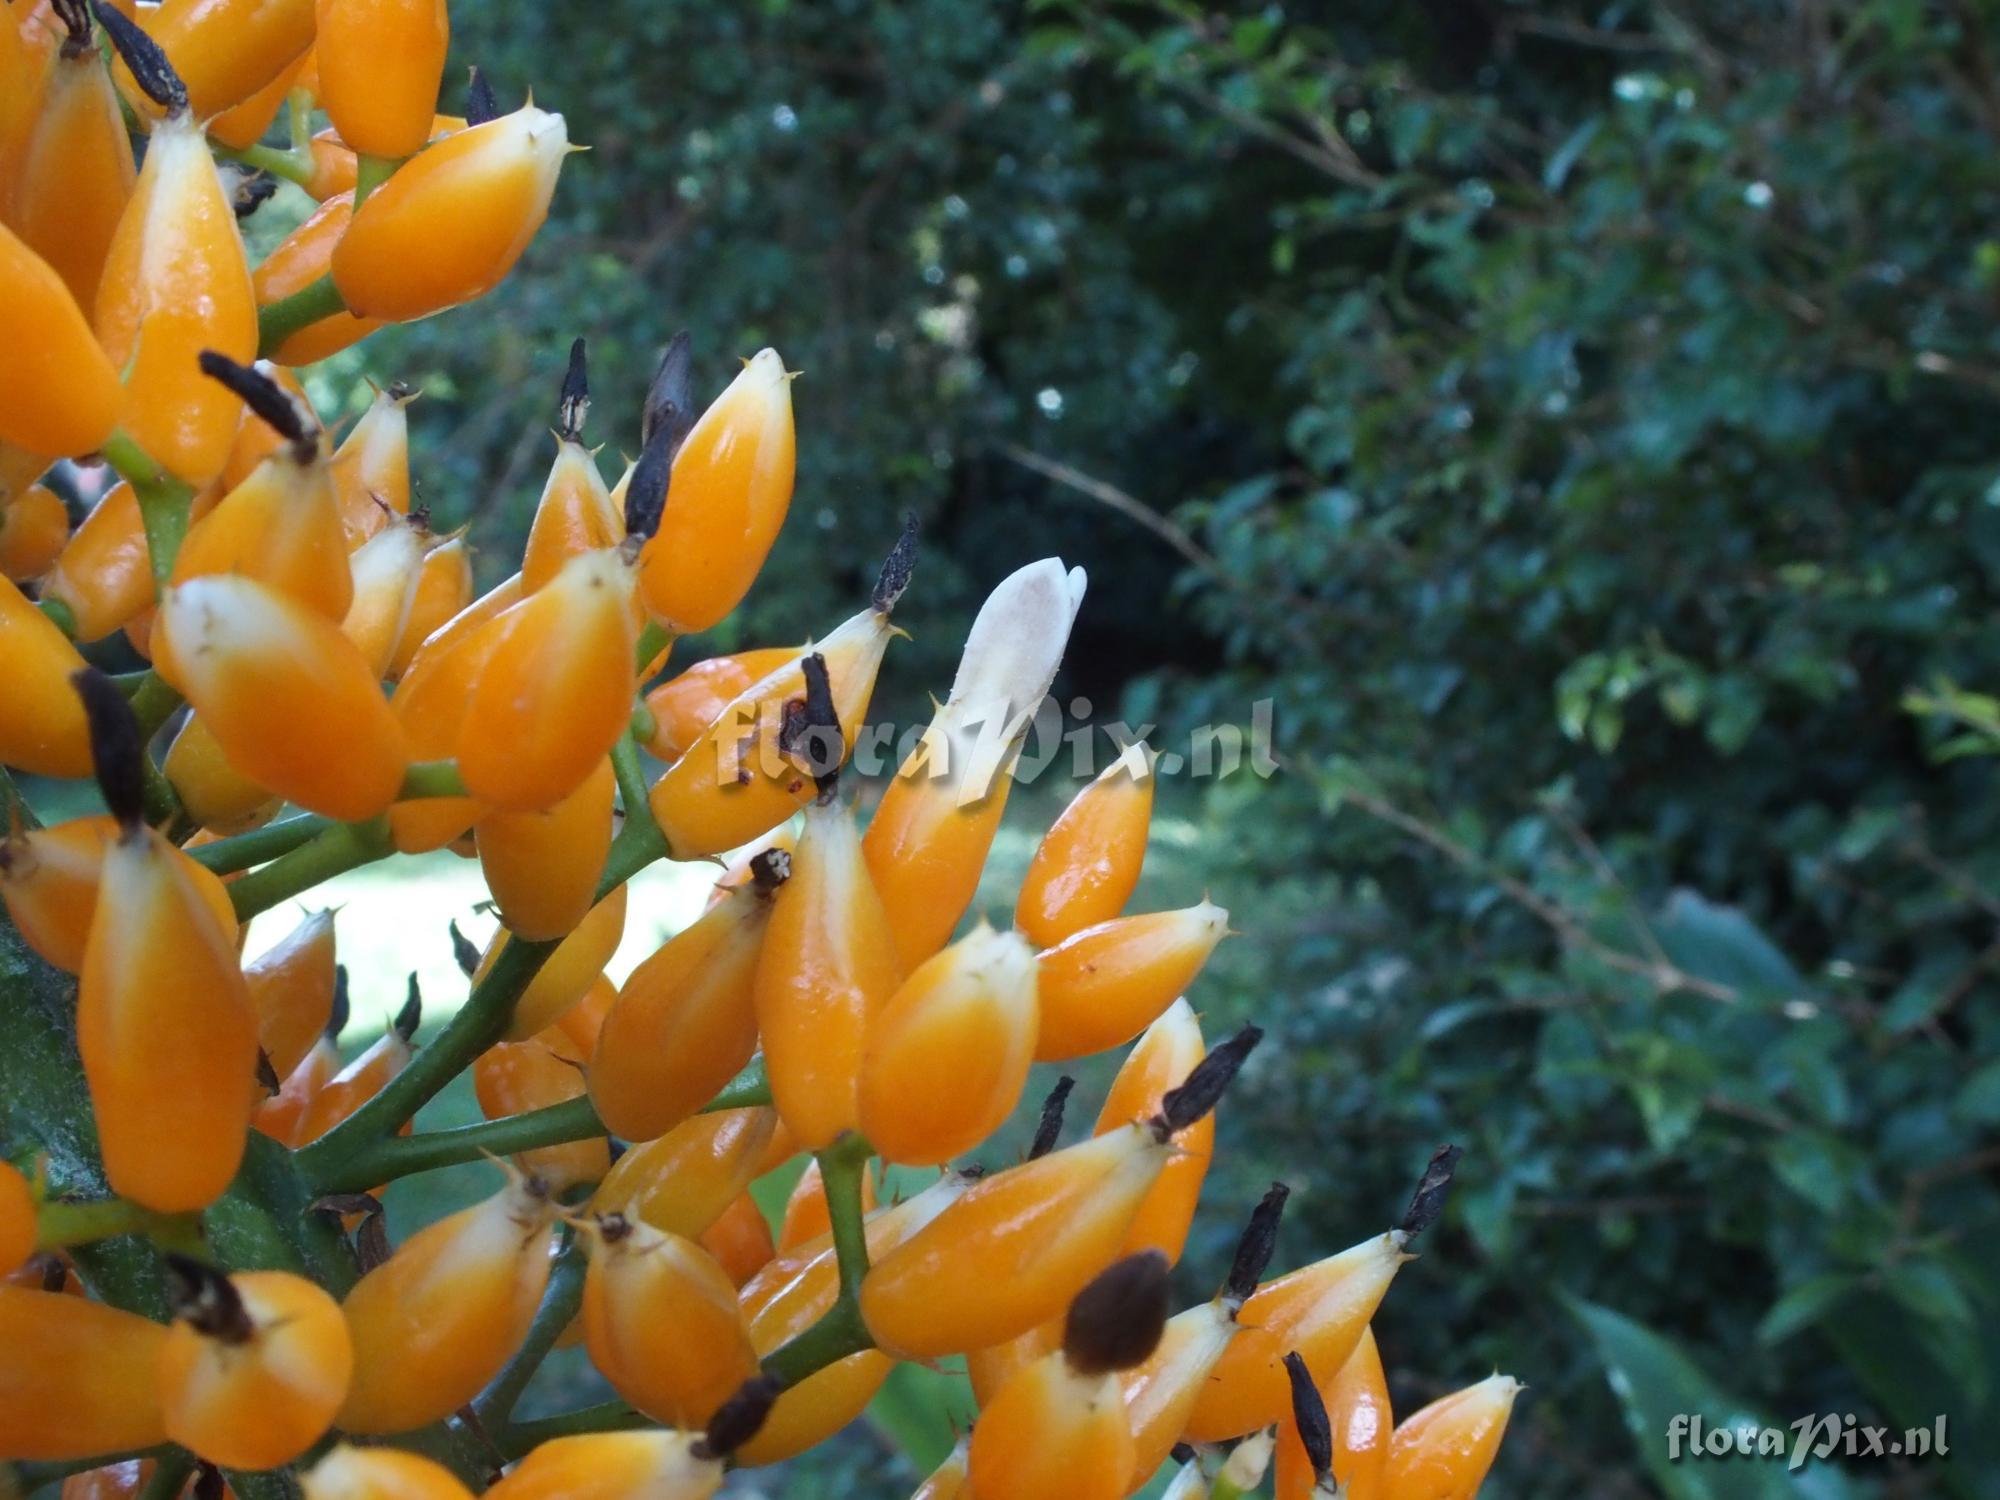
1804 1305
1722 945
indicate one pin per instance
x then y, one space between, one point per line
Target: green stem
164 503
154 702
279 320
335 850
479 1023
653 639
370 172
832 1339
289 163
631 777
606 1416
227 856
158 797
841 1332
59 1224
386 1159
431 778
494 1405
60 615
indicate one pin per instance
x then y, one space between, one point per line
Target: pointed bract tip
480 105
117 750
155 76
574 404
897 567
1427 1203
1253 1250
1206 1085
739 1418
1115 1322
1049 1129
1309 1415
275 406
411 1016
203 1297
336 1019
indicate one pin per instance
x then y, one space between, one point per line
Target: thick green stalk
164 503
259 845
607 1416
281 319
59 1224
841 1332
631 776
334 851
287 162
153 702
431 778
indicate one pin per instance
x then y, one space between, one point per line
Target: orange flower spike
575 514
295 263
243 125
43 730
450 224
78 1379
291 989
1106 984
1162 1057
175 283
685 1022
756 765
827 967
225 50
255 1366
731 487
571 970
661 1322
281 1115
512 1078
287 696
1160 1393
444 587
807 1214
929 839
1444 1451
280 526
684 1181
1320 1311
1058 1427
76 173
615 1466
948 1054
380 62
557 692
350 1473
740 1240
17 1220
385 570
58 392
365 1077
212 791
34 527
163 1020
371 468
687 704
1356 1407
1029 1238
950 1479
542 867
1086 866
435 1322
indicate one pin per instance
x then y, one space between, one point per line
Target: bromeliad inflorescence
198 1286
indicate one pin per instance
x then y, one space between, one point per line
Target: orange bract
34 526
444 587
684 1181
1444 1451
291 990
1357 1410
43 729
75 174
1164 1056
1084 869
379 64
17 1219
58 392
683 707
225 50
79 1377
296 263
542 867
1107 983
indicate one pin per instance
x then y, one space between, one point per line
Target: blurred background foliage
1579 422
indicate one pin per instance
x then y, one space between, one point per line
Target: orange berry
280 1116
225 50
385 571
435 1322
292 990
295 263
543 867
214 793
1086 866
731 487
1161 1058
176 283
444 587
430 703
349 1473
43 729
254 1367
17 1219
448 227
1160 1393
684 1181
827 967
948 1053
512 1078
556 693
740 1240
1106 984
371 468
1444 1451
243 125
58 391
287 696
992 1367
574 516
685 706
79 1377
34 527
661 1322
807 1213
379 63
1357 1409
685 1022
105 574
615 1466
570 971
362 1079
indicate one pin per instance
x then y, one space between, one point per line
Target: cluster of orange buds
196 1283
